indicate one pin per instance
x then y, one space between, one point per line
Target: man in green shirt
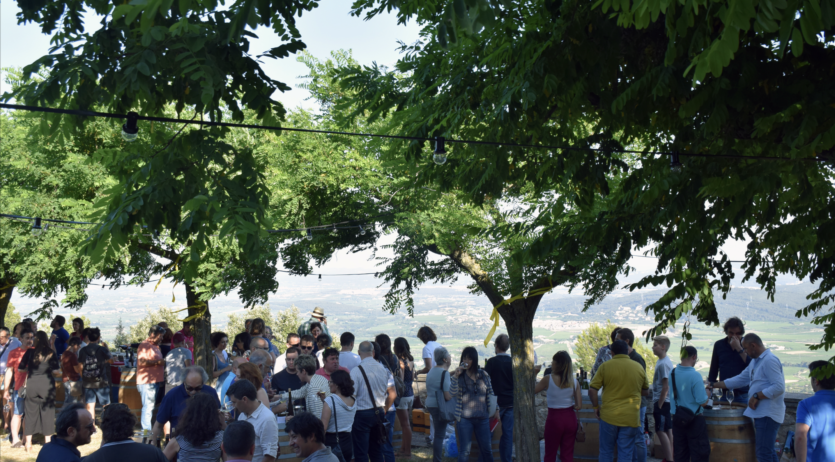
318 316
625 381
640 454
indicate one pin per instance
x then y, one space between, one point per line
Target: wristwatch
739 351
757 396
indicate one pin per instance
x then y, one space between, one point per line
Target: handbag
336 450
580 436
446 409
683 416
75 389
379 432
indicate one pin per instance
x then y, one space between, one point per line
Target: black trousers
690 443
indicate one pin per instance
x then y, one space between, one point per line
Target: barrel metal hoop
589 421
727 422
722 440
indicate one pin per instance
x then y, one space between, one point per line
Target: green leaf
158 33
121 10
143 68
797 43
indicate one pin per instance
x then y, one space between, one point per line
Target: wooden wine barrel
128 394
418 424
731 435
285 452
59 396
475 452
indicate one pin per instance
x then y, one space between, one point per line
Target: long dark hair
243 337
471 354
199 423
385 344
402 350
41 352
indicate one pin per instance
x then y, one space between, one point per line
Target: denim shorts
18 403
406 403
663 419
103 395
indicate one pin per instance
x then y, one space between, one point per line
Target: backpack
93 370
399 384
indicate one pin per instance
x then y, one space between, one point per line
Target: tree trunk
5 299
201 329
518 318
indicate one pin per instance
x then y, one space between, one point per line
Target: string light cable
130 131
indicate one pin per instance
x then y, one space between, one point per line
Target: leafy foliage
12 317
596 336
282 323
139 330
121 336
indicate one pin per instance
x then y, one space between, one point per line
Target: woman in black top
407 364
42 367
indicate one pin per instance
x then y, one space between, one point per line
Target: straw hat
318 312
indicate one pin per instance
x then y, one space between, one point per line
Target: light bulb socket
362 231
37 229
675 163
320 277
439 155
131 127
309 234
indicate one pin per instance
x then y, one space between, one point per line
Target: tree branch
158 251
467 263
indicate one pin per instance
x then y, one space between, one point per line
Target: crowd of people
338 405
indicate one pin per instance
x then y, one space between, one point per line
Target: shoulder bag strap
675 392
370 392
335 422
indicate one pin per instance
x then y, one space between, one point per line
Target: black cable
398 137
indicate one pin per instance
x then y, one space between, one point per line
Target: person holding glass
472 390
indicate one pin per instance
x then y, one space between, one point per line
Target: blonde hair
664 341
563 371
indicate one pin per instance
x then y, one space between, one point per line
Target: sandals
17 445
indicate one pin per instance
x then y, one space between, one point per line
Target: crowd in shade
340 406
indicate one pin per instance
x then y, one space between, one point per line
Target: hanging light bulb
36 227
675 164
130 130
362 231
309 235
320 278
440 151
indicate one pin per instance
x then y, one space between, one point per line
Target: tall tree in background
707 80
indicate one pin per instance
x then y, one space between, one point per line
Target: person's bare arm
801 437
594 403
665 390
6 383
326 417
578 399
156 433
542 385
427 366
390 397
171 449
268 459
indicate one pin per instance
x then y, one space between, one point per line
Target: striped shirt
471 397
344 414
380 380
206 452
310 392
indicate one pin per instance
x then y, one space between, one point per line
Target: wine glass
228 407
730 398
717 395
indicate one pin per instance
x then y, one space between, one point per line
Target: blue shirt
62 339
174 403
764 375
58 449
818 412
6 349
689 389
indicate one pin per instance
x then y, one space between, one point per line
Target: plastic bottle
778 448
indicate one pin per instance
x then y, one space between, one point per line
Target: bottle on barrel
290 402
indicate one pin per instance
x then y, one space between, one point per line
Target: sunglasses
190 389
306 347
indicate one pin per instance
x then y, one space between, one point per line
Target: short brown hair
503 342
663 340
614 334
426 335
734 322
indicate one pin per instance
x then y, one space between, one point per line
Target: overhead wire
201 123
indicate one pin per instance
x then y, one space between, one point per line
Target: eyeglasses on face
309 347
191 389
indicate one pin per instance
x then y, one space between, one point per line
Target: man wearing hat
318 316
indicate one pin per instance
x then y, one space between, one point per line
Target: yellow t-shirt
622 380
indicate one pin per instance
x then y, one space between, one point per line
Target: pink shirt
189 341
324 374
149 374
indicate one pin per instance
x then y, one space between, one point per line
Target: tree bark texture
518 318
201 329
5 299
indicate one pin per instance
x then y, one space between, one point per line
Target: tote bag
446 409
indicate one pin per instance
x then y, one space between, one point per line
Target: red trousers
560 430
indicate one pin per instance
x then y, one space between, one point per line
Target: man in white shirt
767 388
371 410
281 361
347 358
243 395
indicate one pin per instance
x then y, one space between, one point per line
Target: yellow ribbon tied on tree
495 315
